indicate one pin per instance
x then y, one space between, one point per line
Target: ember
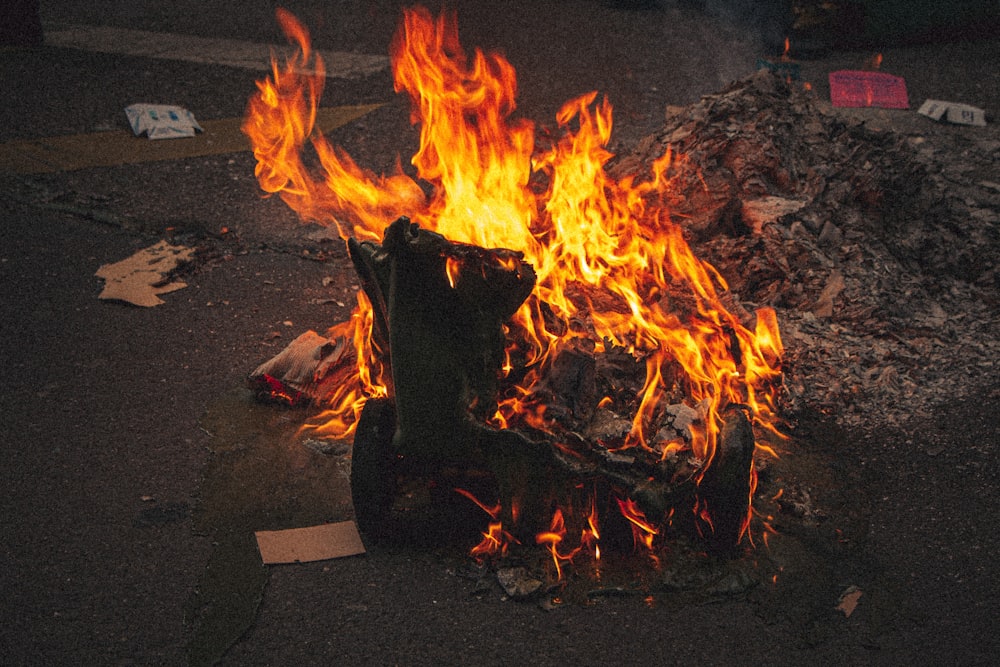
533 300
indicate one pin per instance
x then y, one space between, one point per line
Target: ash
878 248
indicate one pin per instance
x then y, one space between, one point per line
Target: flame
643 531
874 63
745 525
591 535
354 385
493 183
452 266
495 540
552 538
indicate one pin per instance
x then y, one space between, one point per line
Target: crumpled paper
161 121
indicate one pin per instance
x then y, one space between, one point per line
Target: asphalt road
119 421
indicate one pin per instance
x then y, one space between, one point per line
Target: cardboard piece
953 112
848 601
856 88
305 545
161 121
140 278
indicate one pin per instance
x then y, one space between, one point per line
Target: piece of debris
306 545
834 286
762 144
303 371
857 88
848 601
953 112
161 121
143 276
783 68
767 210
517 583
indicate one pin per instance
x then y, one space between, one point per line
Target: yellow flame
492 184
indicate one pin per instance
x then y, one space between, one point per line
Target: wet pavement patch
259 477
265 475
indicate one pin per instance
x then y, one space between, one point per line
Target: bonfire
523 310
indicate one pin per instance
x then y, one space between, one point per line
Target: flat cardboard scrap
305 545
859 88
140 278
848 601
953 112
161 121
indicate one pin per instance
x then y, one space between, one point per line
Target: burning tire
373 475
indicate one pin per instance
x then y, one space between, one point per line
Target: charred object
439 311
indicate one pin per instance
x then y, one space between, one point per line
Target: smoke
766 20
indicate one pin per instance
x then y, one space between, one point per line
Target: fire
643 531
553 537
493 184
495 540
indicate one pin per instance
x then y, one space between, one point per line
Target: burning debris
599 315
879 253
543 322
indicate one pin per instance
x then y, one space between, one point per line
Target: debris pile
879 251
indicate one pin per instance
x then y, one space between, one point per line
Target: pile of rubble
878 250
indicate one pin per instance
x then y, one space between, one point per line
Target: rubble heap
878 251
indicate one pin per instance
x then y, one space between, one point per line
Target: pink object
852 88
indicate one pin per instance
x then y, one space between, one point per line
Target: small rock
517 583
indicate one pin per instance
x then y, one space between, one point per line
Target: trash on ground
859 88
139 279
849 600
161 121
953 112
306 545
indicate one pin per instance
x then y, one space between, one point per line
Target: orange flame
591 535
643 531
495 540
552 538
491 185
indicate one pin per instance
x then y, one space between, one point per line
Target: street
136 465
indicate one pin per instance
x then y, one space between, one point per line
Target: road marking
227 52
107 149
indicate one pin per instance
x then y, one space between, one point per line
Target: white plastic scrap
953 112
161 121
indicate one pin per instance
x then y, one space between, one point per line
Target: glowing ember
585 234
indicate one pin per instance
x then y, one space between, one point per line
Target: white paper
161 121
953 112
